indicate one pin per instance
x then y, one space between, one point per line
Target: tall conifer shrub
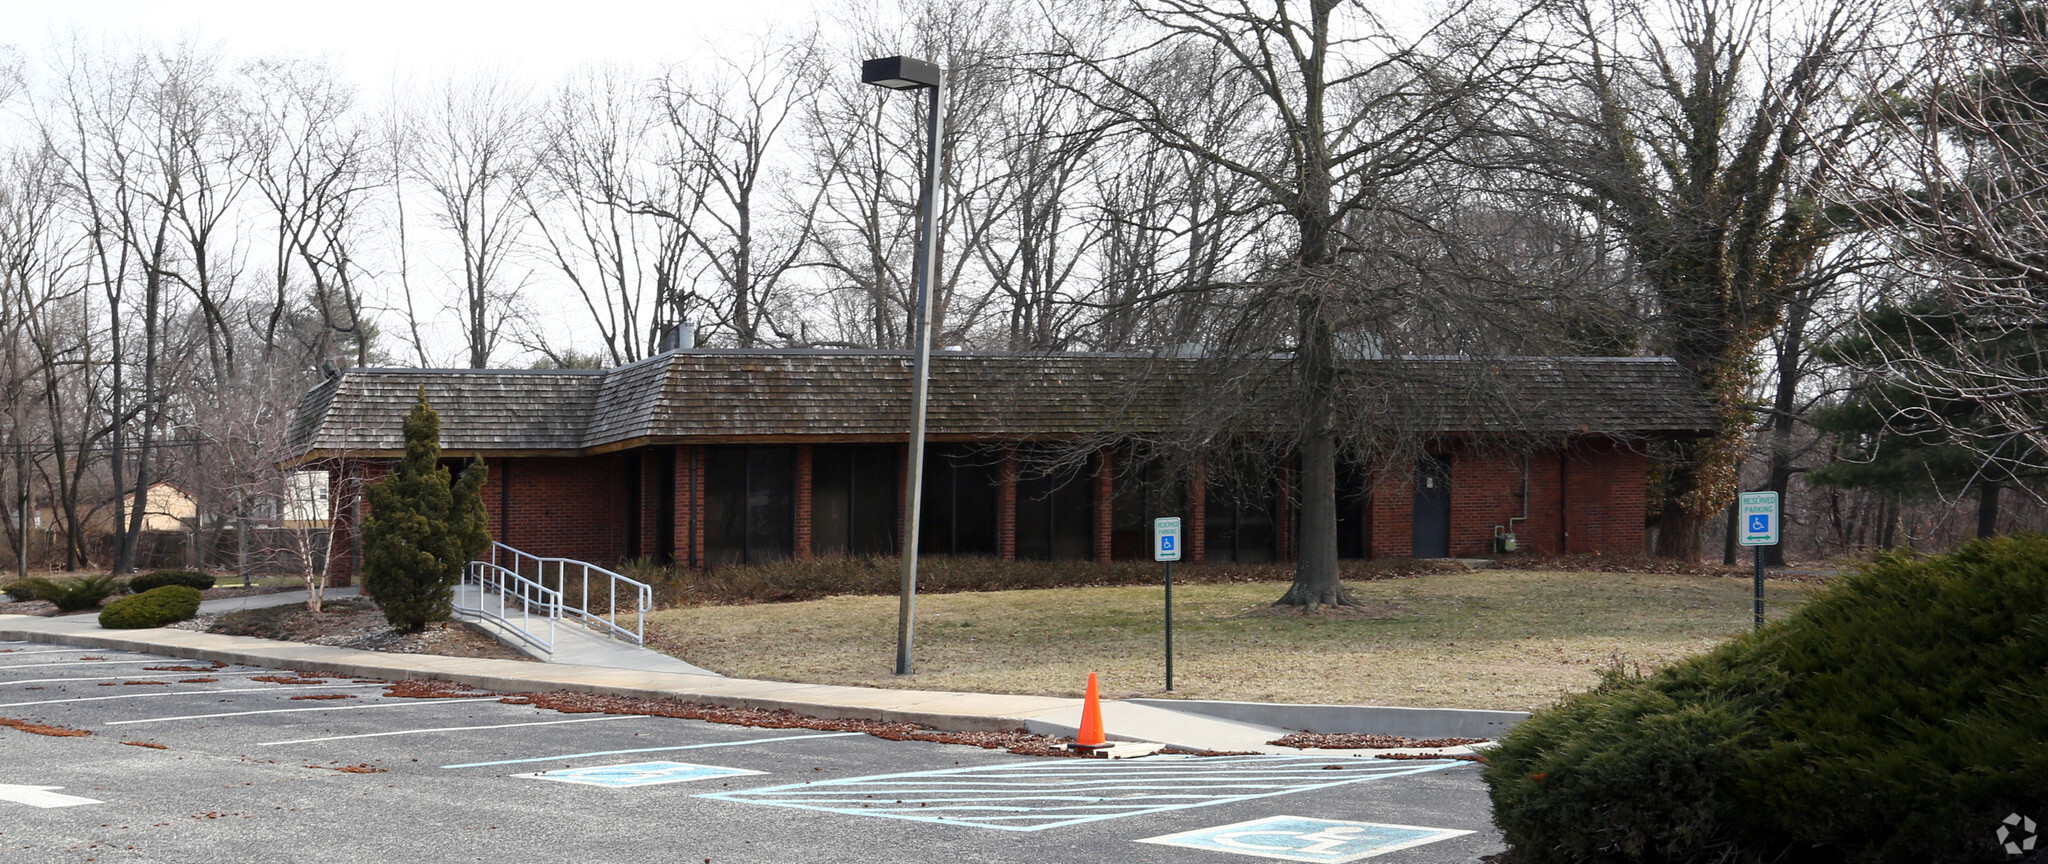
422 529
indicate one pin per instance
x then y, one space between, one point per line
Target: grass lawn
1486 639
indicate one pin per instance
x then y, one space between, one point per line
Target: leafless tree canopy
1289 188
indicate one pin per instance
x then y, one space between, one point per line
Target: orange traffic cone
1090 737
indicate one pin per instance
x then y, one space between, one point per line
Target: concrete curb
927 707
1354 719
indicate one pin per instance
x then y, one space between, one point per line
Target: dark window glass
749 504
725 497
771 503
853 499
1239 507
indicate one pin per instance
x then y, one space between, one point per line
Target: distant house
166 508
703 457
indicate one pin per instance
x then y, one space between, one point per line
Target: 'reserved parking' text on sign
1757 517
1166 539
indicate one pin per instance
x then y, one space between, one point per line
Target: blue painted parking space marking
1041 794
1298 838
638 774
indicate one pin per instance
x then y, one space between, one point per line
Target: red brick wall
1589 498
566 507
1197 524
1604 503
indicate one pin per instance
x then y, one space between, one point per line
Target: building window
1239 510
961 483
749 504
853 499
1145 489
1055 507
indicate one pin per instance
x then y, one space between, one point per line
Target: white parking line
84 663
457 729
297 710
119 677
162 693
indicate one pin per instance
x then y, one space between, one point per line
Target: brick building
703 457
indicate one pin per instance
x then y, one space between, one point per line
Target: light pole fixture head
899 73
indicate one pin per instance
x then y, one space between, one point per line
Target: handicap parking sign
637 774
1760 523
1299 838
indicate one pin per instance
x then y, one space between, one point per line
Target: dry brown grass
1487 639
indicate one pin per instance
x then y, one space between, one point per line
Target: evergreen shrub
153 608
76 594
160 578
422 529
1899 715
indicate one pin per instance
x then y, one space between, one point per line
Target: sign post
1757 515
1166 549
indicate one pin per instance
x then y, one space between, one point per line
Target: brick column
650 504
803 502
1105 493
1197 527
687 513
1006 508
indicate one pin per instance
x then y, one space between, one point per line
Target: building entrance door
1433 507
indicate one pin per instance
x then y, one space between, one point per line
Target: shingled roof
710 395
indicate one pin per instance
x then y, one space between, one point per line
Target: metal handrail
508 587
572 579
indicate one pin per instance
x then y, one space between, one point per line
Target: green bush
1899 715
160 578
68 595
423 529
153 608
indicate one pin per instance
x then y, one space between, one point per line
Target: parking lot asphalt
206 764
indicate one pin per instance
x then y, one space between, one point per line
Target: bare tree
748 228
1701 132
595 165
1348 110
313 161
472 152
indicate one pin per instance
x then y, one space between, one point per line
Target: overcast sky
375 39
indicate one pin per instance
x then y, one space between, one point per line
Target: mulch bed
356 624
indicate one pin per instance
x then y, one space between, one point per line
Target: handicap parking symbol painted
1297 838
637 774
1759 523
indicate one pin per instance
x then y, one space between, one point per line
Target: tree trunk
1987 510
1679 533
1728 545
1315 571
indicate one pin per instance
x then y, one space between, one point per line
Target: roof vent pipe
681 337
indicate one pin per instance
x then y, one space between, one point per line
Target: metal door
1433 507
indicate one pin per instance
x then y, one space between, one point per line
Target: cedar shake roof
708 395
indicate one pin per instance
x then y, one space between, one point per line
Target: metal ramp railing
598 605
499 591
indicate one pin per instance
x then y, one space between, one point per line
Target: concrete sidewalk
970 712
267 601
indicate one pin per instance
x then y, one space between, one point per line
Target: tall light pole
909 73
